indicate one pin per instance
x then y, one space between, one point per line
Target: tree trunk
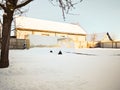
6 30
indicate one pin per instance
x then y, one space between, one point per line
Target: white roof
98 37
37 24
116 36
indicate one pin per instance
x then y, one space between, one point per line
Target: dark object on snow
24 46
51 51
60 53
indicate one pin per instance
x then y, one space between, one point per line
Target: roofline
23 29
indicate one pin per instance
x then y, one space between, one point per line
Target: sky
94 16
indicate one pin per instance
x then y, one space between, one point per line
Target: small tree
9 7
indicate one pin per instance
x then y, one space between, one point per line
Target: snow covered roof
37 24
115 36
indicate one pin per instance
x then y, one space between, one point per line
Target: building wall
22 34
110 44
75 40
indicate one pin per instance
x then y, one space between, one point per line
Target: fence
17 43
114 44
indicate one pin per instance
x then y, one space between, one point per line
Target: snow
75 69
45 25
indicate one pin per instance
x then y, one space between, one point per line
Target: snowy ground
83 69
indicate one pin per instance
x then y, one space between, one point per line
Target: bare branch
65 5
52 2
2 6
23 4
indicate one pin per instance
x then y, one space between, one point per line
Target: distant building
102 40
95 39
68 35
114 42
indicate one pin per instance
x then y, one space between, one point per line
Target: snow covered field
83 69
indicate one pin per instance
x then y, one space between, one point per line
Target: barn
37 30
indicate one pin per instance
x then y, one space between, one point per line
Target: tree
9 8
66 5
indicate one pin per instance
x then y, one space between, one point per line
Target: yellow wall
22 34
75 41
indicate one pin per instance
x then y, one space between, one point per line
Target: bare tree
9 8
66 5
